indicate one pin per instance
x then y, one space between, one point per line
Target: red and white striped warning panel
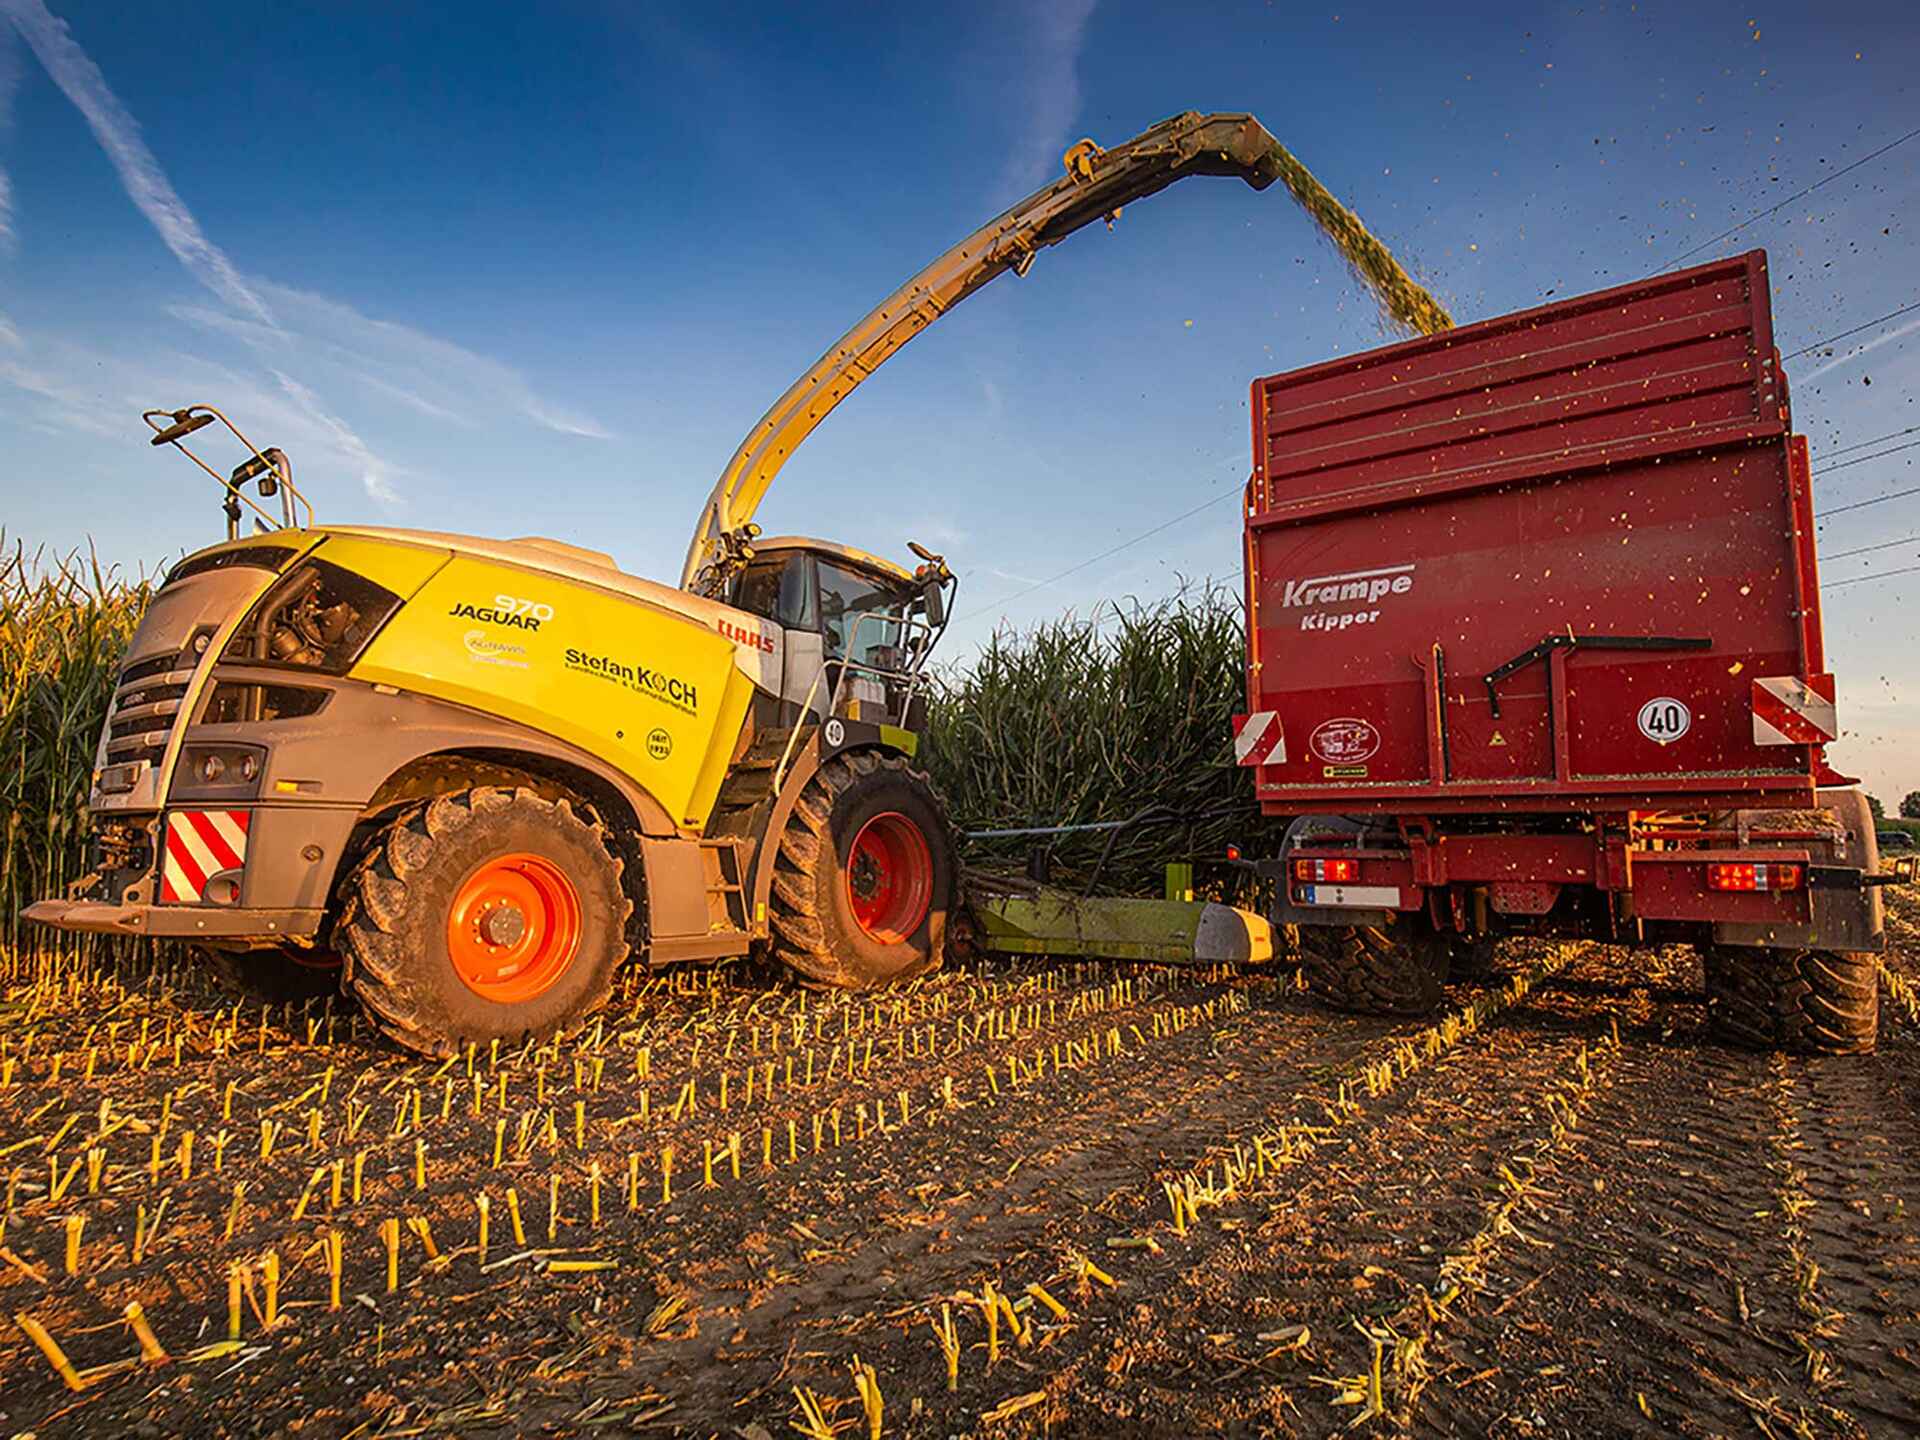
200 844
1257 739
1788 710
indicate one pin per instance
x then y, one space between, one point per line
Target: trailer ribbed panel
1673 364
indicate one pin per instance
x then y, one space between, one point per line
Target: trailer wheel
282 975
1811 1002
864 877
487 914
1392 969
1474 959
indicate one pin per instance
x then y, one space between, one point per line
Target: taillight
1723 875
1333 872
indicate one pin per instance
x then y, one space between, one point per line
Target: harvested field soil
1190 1202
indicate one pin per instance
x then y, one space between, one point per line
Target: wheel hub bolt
503 926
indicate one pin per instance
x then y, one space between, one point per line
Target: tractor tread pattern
369 931
1374 971
801 941
1809 1002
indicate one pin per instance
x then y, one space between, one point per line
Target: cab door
781 588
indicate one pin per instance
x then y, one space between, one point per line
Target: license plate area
1356 897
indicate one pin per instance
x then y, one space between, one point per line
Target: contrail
119 135
9 82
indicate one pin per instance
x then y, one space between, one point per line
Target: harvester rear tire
1808 1002
418 914
279 976
826 877
1393 969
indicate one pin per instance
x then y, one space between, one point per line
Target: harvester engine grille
147 706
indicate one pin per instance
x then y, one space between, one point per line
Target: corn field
64 624
1078 721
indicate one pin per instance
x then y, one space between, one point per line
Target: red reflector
1733 876
1333 872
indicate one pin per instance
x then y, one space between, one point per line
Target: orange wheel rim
889 878
514 928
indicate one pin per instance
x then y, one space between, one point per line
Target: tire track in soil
1167 1275
1349 1235
1640 1289
1114 1119
1856 1152
1013 1197
1674 1279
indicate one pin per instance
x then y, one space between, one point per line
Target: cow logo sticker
1346 741
1664 719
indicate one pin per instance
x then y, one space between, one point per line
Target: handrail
184 421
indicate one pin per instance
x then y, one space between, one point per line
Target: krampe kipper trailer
1534 648
467 777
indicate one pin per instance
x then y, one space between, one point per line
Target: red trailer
1534 646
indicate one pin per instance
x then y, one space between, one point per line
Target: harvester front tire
863 883
1376 970
1807 1002
487 914
278 976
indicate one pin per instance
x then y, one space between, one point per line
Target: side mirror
934 596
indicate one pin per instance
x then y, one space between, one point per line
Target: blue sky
538 269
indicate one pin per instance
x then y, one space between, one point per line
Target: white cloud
285 328
1053 86
375 474
1898 332
432 376
10 334
9 83
119 135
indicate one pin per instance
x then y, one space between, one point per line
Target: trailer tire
1474 960
863 881
1392 969
485 914
1808 1002
282 975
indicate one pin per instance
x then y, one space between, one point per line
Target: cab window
845 596
780 590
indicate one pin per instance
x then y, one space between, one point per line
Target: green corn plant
1079 720
64 624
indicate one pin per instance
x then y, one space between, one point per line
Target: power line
1797 195
1881 320
1863 444
1877 575
1863 504
1868 549
1863 459
1103 555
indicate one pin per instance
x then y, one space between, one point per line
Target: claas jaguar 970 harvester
1535 649
466 778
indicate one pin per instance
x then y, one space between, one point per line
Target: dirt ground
1206 1207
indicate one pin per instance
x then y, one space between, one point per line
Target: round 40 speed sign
1665 719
